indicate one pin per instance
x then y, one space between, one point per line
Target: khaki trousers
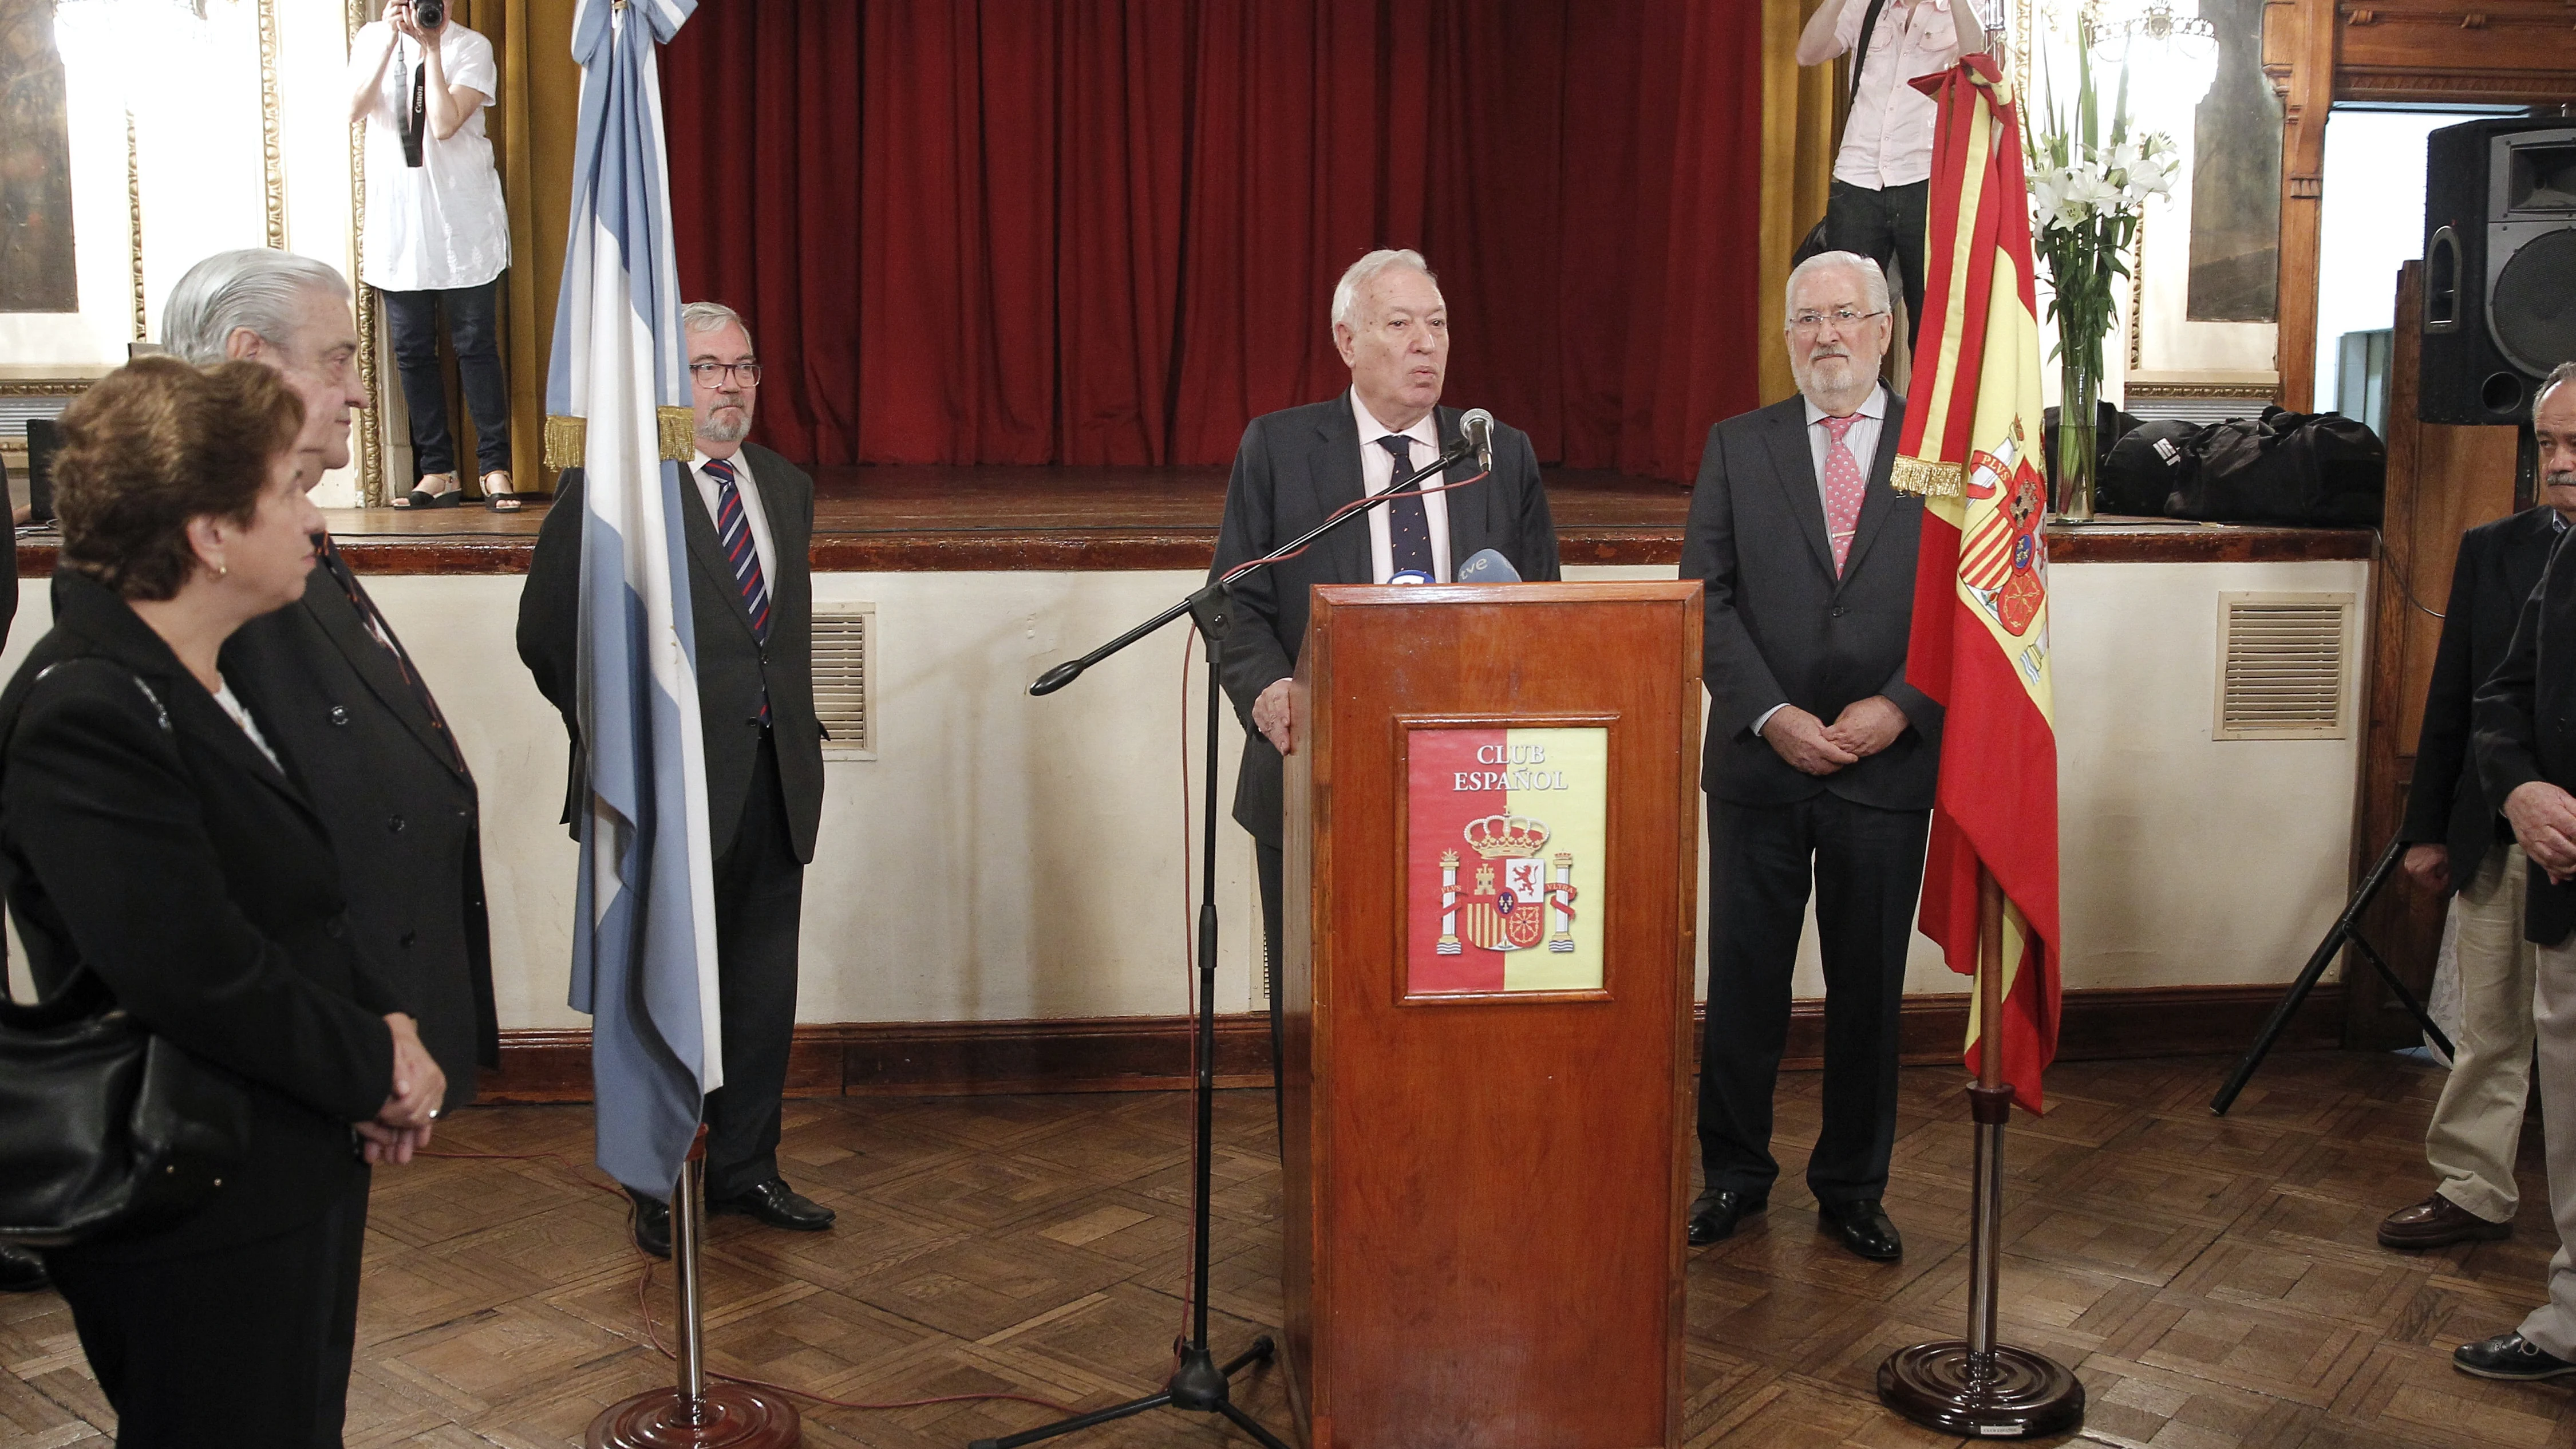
2552 1326
2477 1125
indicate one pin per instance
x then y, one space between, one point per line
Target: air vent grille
845 678
2282 662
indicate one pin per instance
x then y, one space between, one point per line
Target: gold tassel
679 434
1928 480
563 441
677 430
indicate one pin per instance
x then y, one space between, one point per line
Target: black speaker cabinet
2499 266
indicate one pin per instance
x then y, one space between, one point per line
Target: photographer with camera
437 236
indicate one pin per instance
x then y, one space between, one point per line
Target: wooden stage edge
1151 1053
1111 548
902 518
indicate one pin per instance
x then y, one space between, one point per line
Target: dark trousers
760 892
1880 224
246 1346
1867 865
473 329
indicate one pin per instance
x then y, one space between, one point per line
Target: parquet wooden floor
2214 1282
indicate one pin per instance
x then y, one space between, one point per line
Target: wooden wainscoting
1151 1053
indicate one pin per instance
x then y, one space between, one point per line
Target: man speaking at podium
1820 758
1297 465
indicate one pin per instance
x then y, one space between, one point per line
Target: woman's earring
222 569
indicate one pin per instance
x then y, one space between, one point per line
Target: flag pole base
2012 1394
726 1416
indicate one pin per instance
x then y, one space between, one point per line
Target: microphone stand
1200 1384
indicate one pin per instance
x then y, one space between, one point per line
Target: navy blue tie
733 535
1408 523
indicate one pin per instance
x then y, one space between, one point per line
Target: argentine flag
644 946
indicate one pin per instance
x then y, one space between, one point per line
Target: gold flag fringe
1928 480
678 429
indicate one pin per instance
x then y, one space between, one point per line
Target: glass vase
2079 387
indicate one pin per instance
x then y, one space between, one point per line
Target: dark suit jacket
1294 467
1782 627
2526 725
402 815
733 666
2499 565
198 884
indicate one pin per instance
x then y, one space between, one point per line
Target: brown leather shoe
2437 1222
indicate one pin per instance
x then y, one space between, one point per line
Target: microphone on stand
1476 429
1485 566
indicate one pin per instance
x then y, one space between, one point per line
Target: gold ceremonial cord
564 437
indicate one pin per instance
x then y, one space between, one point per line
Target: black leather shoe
22 1271
777 1204
1863 1226
2509 1356
1718 1212
652 1224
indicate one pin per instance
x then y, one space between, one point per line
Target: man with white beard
1820 758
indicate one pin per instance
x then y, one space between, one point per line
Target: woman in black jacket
149 836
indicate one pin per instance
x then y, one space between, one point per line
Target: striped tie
733 535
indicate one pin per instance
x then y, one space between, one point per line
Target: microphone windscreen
1485 566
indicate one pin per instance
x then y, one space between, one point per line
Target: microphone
1476 429
1485 566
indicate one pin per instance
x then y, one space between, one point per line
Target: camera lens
429 14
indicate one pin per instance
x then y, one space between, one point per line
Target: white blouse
440 225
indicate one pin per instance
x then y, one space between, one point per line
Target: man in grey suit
1819 760
1297 465
748 520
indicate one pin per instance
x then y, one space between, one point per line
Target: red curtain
1107 231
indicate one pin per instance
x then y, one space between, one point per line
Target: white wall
2373 222
1007 857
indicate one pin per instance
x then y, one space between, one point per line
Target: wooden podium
1492 852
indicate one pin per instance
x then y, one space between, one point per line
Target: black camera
429 14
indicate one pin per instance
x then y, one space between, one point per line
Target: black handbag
1814 245
104 1124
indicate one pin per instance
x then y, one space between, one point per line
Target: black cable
2405 585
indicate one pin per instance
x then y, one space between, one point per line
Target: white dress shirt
1888 139
1377 474
440 225
1863 442
749 489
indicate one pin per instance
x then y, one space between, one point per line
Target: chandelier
2150 31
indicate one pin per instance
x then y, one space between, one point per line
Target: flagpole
1978 1387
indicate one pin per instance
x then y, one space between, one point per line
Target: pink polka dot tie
1844 486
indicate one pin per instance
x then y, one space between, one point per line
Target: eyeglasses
1841 317
712 374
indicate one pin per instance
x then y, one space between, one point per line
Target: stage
914 519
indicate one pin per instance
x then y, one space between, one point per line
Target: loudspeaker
2499 267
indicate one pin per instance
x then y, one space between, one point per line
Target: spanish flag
1980 644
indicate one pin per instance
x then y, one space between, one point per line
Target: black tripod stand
1201 1384
2347 927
